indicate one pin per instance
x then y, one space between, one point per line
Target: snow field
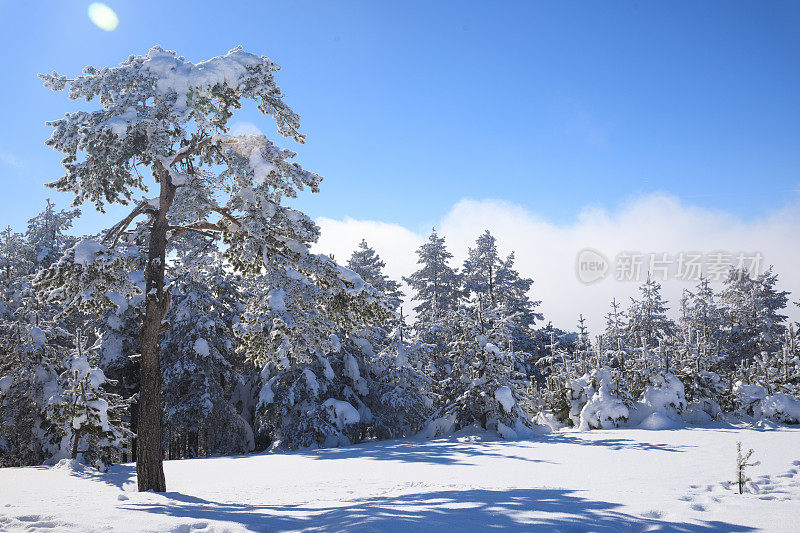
601 480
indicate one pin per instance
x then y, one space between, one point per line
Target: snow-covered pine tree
14 256
648 323
305 326
86 420
699 349
615 347
741 466
436 288
164 120
401 375
367 263
203 382
512 293
46 234
436 285
649 333
28 377
31 334
753 314
480 270
395 359
498 290
483 386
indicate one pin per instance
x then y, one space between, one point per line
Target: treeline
253 362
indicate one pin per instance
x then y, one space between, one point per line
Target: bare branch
226 214
117 230
177 231
187 151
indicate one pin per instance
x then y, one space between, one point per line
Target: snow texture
201 347
341 413
505 397
85 252
671 481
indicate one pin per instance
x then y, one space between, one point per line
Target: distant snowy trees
476 325
730 352
305 352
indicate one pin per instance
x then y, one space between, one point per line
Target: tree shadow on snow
445 451
118 475
615 443
465 510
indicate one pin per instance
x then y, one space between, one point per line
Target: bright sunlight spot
103 16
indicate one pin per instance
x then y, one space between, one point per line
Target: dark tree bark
149 451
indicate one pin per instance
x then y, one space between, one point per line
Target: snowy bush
702 411
665 393
604 408
755 401
748 398
576 395
782 408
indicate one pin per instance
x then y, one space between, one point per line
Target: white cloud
245 128
393 243
547 252
9 159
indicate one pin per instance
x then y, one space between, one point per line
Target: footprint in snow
698 507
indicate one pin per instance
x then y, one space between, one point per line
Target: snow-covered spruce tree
699 350
14 257
436 284
483 386
28 377
367 263
202 382
436 289
648 324
163 115
86 420
313 382
753 319
46 234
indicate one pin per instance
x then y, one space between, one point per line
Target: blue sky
409 107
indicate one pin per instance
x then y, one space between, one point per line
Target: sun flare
103 16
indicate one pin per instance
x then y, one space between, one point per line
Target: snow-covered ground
604 480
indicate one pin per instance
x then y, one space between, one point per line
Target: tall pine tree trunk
149 452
